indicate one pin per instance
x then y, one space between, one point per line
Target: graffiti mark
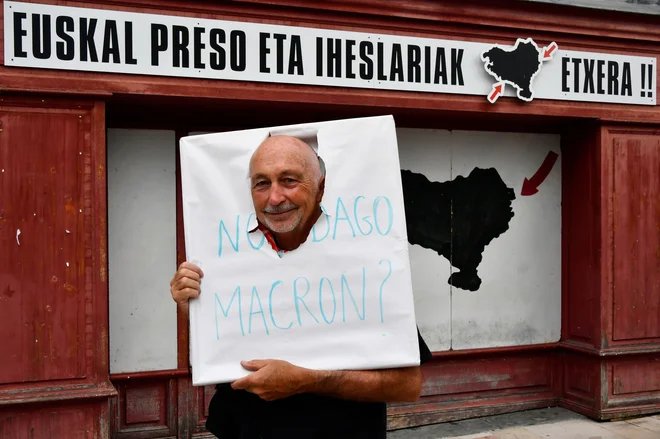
458 218
530 186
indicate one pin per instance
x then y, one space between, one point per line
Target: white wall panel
428 152
142 249
518 299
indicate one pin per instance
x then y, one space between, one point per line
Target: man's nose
276 195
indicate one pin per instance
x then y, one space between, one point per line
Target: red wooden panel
147 406
183 356
146 403
206 395
636 230
42 278
460 386
470 375
638 376
47 423
581 377
580 233
201 400
581 383
53 316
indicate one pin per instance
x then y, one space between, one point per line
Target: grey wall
142 249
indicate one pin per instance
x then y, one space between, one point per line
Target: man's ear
321 189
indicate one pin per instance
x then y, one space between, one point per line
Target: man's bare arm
275 379
390 385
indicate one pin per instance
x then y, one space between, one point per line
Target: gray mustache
280 208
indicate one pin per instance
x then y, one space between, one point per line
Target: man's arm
275 379
391 385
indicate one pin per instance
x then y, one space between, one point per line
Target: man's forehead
283 145
279 161
281 153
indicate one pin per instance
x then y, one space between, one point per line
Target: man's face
285 184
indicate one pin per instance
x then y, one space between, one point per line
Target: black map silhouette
457 218
517 66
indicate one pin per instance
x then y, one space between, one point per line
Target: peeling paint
103 246
18 232
9 292
103 428
71 291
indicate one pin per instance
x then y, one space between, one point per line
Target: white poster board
342 300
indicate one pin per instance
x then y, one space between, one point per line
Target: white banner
58 37
342 300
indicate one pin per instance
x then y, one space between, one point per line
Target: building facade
535 254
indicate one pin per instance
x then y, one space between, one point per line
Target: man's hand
186 283
273 379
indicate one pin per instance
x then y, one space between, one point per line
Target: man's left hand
272 379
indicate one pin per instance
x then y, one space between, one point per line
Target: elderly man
279 399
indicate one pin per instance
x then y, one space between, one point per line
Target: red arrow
547 53
498 89
530 187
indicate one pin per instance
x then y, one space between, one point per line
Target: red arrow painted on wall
548 51
495 93
530 187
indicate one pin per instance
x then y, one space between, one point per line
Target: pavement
537 424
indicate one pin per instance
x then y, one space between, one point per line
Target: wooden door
53 294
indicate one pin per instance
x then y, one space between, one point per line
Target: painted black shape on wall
481 212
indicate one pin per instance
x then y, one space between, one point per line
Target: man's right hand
185 284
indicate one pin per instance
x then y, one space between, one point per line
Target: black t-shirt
238 414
